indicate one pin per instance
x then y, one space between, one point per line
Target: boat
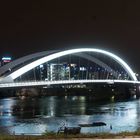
94 124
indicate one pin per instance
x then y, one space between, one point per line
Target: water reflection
36 115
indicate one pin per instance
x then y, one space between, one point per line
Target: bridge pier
28 91
123 91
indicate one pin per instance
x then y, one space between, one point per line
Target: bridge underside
97 90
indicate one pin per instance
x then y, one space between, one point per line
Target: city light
6 58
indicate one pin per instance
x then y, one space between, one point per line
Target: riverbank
99 136
31 138
121 135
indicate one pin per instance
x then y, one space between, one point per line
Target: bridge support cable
69 66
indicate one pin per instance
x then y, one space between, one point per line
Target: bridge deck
63 82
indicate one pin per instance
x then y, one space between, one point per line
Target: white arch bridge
14 70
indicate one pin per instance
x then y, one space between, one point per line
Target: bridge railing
39 83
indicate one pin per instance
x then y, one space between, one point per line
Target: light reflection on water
36 115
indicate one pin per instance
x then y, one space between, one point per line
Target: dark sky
32 26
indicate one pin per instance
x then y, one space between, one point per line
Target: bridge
74 66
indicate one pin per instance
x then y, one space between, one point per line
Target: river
38 115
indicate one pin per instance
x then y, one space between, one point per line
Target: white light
51 71
41 66
6 58
38 62
82 69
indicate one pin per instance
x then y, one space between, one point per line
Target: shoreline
98 136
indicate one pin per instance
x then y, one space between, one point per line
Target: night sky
33 26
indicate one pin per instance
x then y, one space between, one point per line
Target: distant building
5 60
58 72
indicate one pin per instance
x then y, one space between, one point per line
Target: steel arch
50 57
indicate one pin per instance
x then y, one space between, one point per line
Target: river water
37 115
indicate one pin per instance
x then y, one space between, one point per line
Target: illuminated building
5 60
